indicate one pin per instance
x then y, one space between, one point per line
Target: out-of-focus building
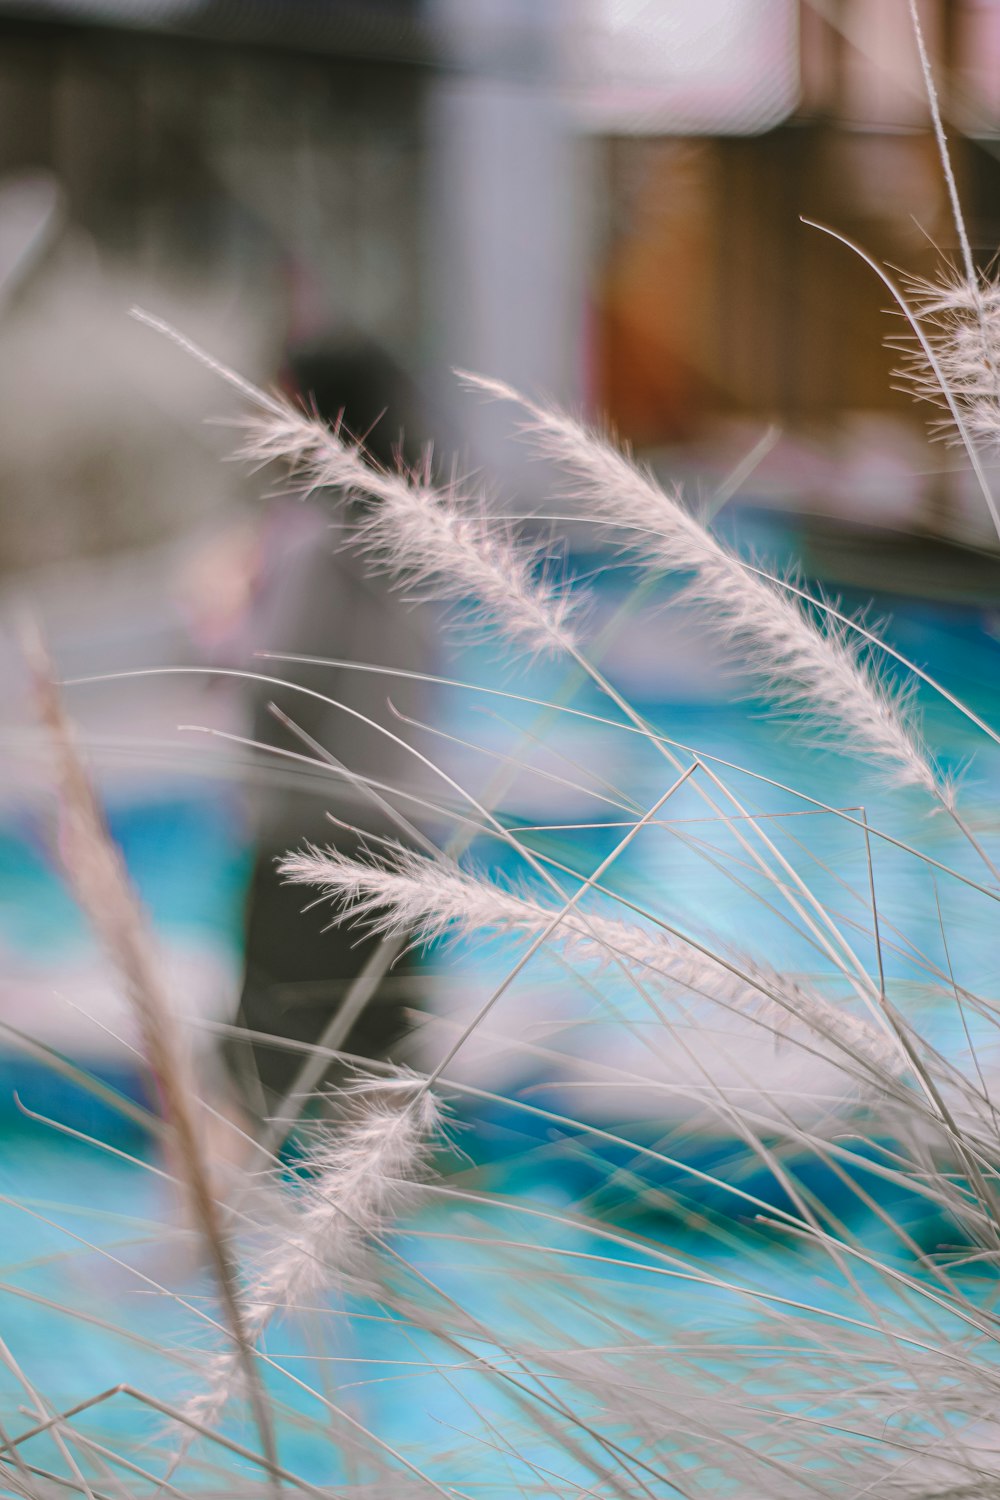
716 309
601 200
251 173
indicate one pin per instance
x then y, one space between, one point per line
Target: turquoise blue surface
61 1198
185 853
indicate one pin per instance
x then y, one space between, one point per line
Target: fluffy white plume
961 319
358 1177
99 879
440 541
431 898
822 674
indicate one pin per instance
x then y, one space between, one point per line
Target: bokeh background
597 200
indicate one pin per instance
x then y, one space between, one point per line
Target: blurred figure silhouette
316 599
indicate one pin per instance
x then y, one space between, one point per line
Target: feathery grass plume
961 319
360 1177
95 871
429 538
440 542
430 898
356 1178
822 675
443 544
962 309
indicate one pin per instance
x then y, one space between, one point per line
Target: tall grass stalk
939 1119
742 1238
95 870
814 673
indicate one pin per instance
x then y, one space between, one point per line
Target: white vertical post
505 251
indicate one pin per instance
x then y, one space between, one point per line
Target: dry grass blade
409 893
440 541
359 1179
961 319
818 674
96 873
